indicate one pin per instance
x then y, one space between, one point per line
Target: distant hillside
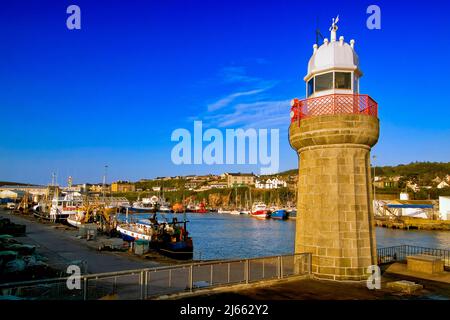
9 183
423 170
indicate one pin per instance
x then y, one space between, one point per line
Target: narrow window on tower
310 86
324 82
343 80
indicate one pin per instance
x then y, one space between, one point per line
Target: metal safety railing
152 282
399 254
333 104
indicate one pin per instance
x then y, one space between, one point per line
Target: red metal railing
333 104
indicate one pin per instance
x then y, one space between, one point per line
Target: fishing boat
279 214
101 215
141 230
200 208
178 208
292 214
65 206
146 205
164 208
260 211
169 238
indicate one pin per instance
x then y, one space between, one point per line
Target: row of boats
61 207
111 216
170 238
260 210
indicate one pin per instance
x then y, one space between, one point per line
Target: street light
104 181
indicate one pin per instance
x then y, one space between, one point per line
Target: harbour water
225 236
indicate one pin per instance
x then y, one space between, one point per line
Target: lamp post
104 182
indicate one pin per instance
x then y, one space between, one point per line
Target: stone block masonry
335 215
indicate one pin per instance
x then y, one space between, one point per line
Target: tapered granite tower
333 130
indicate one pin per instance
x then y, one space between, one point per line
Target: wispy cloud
260 114
249 106
236 74
223 102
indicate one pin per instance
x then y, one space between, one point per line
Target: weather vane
334 26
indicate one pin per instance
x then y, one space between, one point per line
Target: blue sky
112 93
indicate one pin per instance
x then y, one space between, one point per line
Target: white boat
66 206
235 212
260 211
77 219
142 230
142 206
223 211
164 208
245 211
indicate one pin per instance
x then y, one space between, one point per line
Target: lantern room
333 67
332 82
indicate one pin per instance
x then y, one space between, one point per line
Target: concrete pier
61 246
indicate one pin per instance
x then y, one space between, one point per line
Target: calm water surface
225 236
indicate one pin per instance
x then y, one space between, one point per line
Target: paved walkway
61 246
402 269
310 289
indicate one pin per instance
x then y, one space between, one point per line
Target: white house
444 207
442 185
270 184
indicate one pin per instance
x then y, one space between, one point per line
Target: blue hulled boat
280 214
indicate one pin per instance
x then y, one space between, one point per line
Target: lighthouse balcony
333 104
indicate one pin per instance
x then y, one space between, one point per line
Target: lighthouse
333 130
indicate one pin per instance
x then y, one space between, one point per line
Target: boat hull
130 236
279 215
260 214
182 250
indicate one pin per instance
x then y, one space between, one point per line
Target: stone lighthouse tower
333 130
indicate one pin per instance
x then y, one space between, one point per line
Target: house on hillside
274 183
442 185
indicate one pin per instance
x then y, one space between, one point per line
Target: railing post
247 271
170 278
141 283
211 282
85 289
146 285
191 277
309 263
264 263
279 266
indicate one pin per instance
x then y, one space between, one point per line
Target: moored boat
65 206
164 208
201 208
169 238
260 211
279 214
